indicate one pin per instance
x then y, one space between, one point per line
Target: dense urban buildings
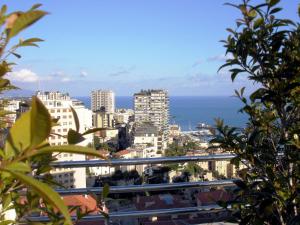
59 106
126 134
103 100
152 106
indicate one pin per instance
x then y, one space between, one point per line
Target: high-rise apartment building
59 106
103 99
153 106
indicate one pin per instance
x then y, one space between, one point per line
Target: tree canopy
266 49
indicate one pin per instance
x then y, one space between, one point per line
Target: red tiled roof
103 152
162 201
205 198
94 222
86 203
122 152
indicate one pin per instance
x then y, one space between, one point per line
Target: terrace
157 207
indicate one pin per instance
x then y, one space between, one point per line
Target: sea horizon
189 111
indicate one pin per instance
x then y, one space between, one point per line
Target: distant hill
18 93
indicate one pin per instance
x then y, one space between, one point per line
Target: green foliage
25 158
194 169
175 150
267 50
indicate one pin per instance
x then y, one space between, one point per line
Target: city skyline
131 47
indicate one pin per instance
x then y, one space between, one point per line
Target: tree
194 169
25 157
175 150
266 49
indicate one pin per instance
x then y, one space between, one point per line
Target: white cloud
220 58
65 79
23 75
83 73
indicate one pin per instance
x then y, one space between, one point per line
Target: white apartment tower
59 106
103 99
153 106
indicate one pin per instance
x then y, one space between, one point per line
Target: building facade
59 106
103 99
152 106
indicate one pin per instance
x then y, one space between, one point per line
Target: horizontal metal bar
147 187
140 161
144 213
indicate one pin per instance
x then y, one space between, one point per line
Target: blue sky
129 45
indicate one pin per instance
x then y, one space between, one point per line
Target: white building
103 99
101 170
12 107
59 106
129 154
123 115
153 106
145 135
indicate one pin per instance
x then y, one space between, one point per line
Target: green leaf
17 55
74 137
3 10
4 83
30 42
242 91
48 194
275 10
68 149
19 166
35 6
75 119
252 13
273 3
6 222
40 122
105 191
93 130
6 200
30 130
4 69
19 137
240 184
258 22
25 20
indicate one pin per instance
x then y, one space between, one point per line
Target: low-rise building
123 115
146 135
130 154
108 136
102 119
101 170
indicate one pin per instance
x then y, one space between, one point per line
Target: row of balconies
145 187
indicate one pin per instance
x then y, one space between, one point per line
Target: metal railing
142 214
141 161
145 187
148 187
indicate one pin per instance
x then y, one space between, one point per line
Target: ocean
188 111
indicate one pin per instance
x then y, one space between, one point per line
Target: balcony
208 213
